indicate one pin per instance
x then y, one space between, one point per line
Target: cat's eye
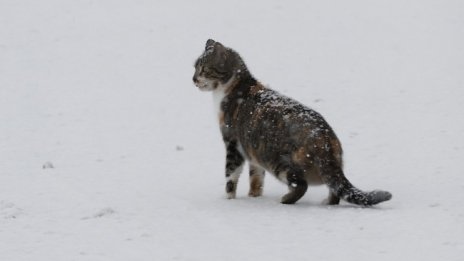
206 70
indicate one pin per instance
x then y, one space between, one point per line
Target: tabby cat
273 133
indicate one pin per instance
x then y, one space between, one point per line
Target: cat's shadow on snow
273 202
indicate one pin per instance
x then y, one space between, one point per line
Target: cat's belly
252 158
312 175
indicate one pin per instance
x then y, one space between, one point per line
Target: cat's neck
222 90
218 96
239 83
244 81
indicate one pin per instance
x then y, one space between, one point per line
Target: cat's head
216 66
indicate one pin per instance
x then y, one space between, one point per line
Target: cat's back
270 109
269 125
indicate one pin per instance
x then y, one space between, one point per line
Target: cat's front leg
256 181
234 166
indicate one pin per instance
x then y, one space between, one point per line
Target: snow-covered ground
109 152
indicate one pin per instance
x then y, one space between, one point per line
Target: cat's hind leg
297 185
234 166
256 181
332 199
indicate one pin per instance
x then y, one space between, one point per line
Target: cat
273 133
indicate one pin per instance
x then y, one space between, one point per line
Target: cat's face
213 68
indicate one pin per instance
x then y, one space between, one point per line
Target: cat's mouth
205 85
206 88
202 86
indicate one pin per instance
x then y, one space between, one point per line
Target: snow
96 99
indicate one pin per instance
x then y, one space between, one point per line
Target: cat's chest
227 108
218 97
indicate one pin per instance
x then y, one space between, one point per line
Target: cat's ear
213 45
209 44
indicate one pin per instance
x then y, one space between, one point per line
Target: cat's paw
328 202
231 195
331 200
255 193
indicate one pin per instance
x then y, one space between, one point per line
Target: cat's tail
333 176
353 195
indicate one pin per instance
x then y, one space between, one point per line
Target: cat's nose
195 80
